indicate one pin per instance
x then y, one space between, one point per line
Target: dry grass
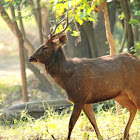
110 125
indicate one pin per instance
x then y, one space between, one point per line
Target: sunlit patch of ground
110 125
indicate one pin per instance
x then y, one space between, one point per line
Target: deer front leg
87 108
75 115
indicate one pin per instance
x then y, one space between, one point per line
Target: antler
51 29
44 33
52 35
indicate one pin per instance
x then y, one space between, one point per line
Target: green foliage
25 6
80 9
122 16
133 21
14 3
75 33
137 48
136 13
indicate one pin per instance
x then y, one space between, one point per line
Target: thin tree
29 49
130 38
14 28
109 38
39 20
21 55
39 75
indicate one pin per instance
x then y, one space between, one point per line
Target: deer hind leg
87 108
125 101
137 102
135 97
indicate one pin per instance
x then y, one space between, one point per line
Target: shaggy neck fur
59 64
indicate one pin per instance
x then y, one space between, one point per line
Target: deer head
46 53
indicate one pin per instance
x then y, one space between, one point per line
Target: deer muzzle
31 59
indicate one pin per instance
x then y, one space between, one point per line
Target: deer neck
61 69
57 64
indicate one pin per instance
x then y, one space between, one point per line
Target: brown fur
89 81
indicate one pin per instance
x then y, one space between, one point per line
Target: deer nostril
31 59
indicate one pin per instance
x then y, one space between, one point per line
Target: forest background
21 24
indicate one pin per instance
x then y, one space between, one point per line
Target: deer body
93 79
89 81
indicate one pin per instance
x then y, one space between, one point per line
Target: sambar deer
88 81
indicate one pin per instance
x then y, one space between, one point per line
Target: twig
77 31
51 134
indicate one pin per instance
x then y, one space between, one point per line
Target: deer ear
63 39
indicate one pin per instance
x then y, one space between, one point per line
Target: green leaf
137 13
90 19
51 1
89 11
60 27
85 13
55 1
82 15
122 16
133 21
80 21
93 17
69 4
75 33
85 135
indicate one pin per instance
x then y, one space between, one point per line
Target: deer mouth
31 59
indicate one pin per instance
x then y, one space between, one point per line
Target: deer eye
45 48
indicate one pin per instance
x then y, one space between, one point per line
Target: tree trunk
108 30
34 10
36 71
100 33
89 30
136 33
46 84
39 20
130 38
78 49
110 39
21 55
46 18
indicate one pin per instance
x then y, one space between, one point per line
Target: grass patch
10 91
110 125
